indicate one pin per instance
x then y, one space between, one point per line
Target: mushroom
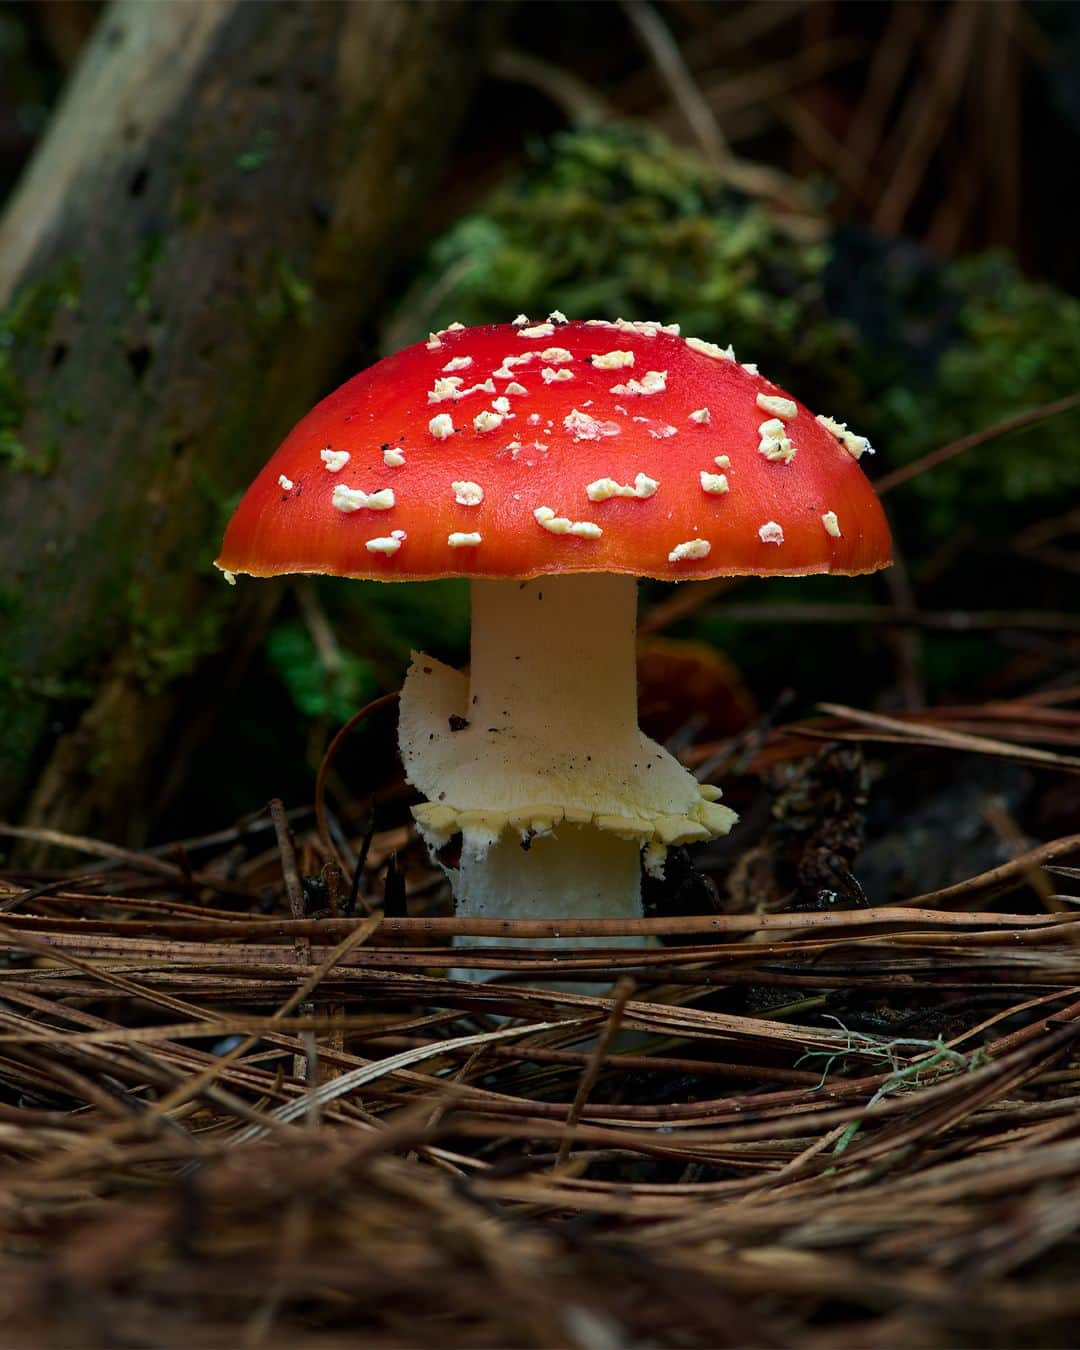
552 464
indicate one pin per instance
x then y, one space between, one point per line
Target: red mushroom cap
518 450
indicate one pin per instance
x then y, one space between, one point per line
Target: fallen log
211 216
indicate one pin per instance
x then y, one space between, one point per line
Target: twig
663 49
144 862
253 824
376 705
258 935
195 1085
890 60
579 101
621 995
956 739
684 602
997 880
287 849
349 1082
971 442
931 110
904 640
956 621
305 1067
733 92
819 141
1010 835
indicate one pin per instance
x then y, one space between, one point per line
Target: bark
213 213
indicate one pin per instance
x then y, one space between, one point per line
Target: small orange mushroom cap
525 449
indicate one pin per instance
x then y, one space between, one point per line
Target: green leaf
316 691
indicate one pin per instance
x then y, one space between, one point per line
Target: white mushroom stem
553 664
534 757
554 659
581 873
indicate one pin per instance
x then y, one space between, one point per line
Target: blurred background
216 212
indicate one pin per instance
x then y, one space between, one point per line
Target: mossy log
184 269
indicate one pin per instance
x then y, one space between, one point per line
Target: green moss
9 679
295 292
149 255
911 352
315 691
27 322
102 753
222 501
1016 346
430 615
282 298
258 153
13 452
22 459
31 312
13 399
615 221
58 689
44 688
190 195
167 646
168 641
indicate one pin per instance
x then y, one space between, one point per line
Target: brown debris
760 1139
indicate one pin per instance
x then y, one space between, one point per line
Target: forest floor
246 1096
242 1102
